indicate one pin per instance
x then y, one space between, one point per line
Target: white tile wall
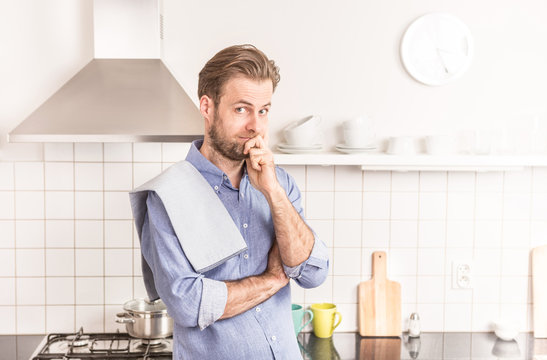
29 204
6 176
30 233
29 176
88 233
88 176
59 176
7 296
69 255
59 319
59 152
142 172
7 204
147 152
31 319
60 290
88 152
347 233
60 233
118 152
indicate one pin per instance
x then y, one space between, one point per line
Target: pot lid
145 306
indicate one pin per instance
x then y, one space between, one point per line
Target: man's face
242 114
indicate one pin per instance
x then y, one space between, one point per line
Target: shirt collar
210 172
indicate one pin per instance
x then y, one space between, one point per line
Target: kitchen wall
44 43
341 59
69 256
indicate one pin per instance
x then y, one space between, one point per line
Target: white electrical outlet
462 275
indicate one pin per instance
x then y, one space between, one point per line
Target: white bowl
302 132
506 330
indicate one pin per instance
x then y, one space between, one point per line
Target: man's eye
240 110
263 112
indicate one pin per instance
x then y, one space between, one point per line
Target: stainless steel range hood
115 100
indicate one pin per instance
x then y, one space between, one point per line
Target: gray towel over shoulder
205 230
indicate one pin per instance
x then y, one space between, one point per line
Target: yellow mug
323 319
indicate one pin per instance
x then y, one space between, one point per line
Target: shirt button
258 309
274 338
216 187
225 177
246 256
245 226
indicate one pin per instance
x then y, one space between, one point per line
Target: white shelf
420 162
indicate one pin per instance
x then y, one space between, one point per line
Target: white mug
401 145
357 132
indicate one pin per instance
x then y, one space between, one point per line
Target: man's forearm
247 293
294 237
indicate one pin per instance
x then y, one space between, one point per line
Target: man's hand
275 268
260 166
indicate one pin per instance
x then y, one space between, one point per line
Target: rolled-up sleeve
313 271
192 299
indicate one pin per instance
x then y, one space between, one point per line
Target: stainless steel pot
146 319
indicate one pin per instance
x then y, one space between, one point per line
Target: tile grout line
44 239
361 271
333 225
104 234
474 246
500 270
132 241
445 245
133 247
16 302
305 213
418 237
73 148
529 313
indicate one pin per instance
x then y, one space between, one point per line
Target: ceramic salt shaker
414 325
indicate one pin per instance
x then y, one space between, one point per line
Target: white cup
302 132
401 145
357 132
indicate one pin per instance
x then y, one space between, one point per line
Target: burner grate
117 345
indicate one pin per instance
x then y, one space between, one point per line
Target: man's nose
253 123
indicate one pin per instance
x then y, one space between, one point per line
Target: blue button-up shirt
196 301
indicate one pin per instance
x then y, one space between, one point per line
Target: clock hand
442 61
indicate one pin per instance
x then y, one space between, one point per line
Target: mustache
252 134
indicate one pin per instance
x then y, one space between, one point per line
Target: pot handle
124 318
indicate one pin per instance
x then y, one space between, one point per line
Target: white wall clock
437 48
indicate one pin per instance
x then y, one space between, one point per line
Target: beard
226 147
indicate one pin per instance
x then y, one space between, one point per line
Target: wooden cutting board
379 301
539 290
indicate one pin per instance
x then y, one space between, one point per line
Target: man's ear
206 108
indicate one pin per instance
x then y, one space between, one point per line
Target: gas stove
81 345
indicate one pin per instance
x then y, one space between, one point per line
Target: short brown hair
235 60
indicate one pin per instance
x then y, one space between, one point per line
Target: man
240 309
